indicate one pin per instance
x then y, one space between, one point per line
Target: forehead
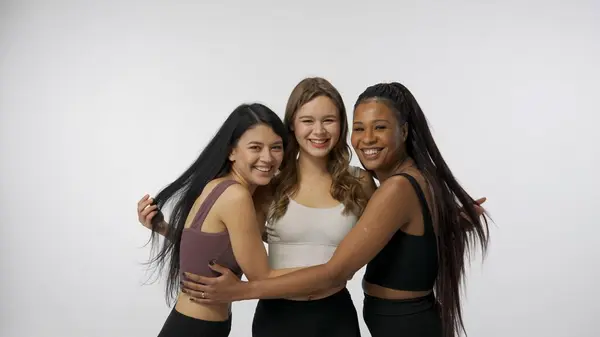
318 107
260 133
373 110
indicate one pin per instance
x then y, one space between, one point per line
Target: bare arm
387 212
147 211
246 234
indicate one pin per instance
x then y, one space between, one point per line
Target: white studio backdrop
103 101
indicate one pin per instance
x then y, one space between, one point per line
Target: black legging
333 316
417 317
180 325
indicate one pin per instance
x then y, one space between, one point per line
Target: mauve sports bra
198 248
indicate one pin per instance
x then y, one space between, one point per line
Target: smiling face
377 137
317 126
257 155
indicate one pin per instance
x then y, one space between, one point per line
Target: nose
319 128
368 137
266 156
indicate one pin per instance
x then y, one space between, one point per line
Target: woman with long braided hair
414 235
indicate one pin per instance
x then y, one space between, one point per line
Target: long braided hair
456 237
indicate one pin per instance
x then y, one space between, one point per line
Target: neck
312 166
402 164
237 177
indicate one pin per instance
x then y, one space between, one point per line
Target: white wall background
103 101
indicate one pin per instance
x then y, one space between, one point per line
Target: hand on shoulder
366 180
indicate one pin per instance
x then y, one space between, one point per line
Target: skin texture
314 122
255 159
394 206
317 128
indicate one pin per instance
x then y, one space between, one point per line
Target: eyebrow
326 116
375 121
279 142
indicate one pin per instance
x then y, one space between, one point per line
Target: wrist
251 291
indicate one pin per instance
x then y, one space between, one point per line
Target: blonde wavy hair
346 186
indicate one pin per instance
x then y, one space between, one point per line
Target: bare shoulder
235 195
231 198
235 206
394 187
398 190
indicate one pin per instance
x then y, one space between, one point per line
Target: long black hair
456 237
212 163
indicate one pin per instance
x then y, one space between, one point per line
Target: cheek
278 156
392 140
301 131
354 138
244 159
334 130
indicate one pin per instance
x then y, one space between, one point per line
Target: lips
319 143
264 169
371 153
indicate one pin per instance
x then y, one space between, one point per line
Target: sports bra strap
208 203
427 220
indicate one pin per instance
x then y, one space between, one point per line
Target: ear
404 132
232 154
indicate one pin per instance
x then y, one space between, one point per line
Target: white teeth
371 152
319 141
263 169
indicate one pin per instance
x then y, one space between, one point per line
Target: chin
261 181
370 165
317 153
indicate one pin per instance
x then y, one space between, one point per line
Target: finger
479 210
149 218
200 279
196 296
144 198
480 200
218 268
144 204
195 289
189 285
147 210
205 300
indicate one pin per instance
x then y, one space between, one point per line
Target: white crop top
306 236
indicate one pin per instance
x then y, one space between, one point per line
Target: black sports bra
407 262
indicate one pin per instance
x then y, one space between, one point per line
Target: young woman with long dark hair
414 235
245 153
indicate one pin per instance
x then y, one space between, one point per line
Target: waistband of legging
341 295
383 306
